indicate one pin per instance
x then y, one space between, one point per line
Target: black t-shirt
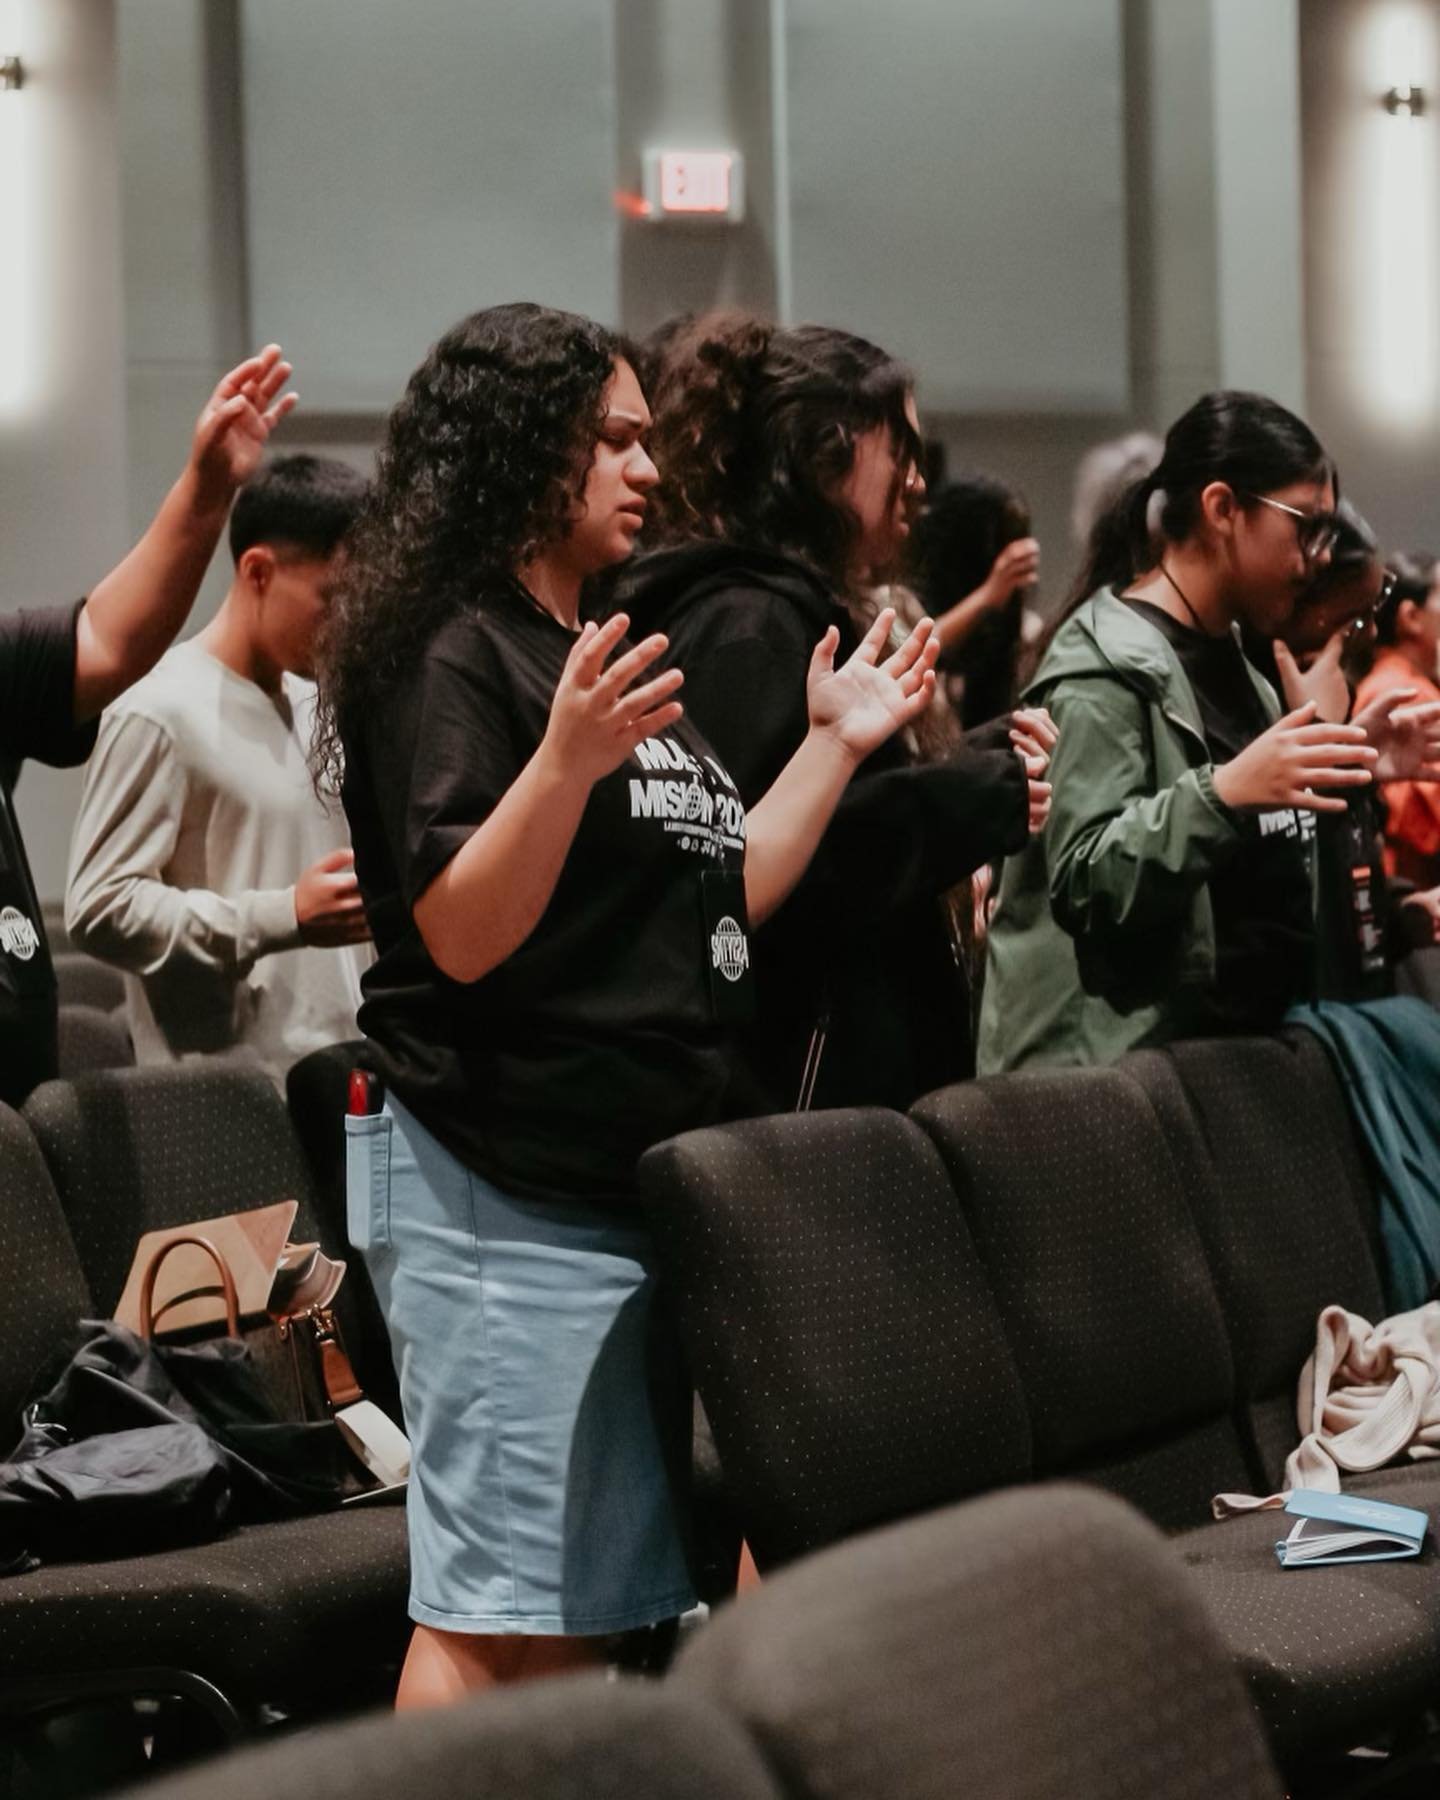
608 1028
37 719
1263 899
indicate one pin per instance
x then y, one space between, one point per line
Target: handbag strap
227 1285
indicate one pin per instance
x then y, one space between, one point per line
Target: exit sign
694 184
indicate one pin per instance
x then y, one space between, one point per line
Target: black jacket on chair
863 939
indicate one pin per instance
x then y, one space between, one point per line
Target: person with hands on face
1173 890
562 877
60 668
202 862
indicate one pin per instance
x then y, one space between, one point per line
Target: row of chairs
307 1615
1040 1645
1111 1275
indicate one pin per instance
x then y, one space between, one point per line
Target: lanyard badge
727 946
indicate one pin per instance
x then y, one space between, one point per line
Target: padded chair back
1043 1644
1282 1201
317 1091
556 1740
838 1323
90 1039
134 1150
42 1286
85 981
1080 1216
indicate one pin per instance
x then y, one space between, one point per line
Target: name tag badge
727 946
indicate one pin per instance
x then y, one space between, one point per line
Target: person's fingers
1037 723
595 642
638 701
650 724
1359 756
254 368
1308 802
1329 657
910 651
874 639
282 408
916 704
1322 776
265 387
1427 713
215 424
1025 745
1319 732
822 657
632 664
912 677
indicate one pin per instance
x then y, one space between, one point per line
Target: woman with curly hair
558 874
789 471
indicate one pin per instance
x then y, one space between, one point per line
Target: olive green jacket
1104 933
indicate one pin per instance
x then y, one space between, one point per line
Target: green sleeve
1119 854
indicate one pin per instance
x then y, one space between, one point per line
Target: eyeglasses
1316 533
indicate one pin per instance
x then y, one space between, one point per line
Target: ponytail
1251 443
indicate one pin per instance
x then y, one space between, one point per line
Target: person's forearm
955 625
134 613
492 893
145 925
784 828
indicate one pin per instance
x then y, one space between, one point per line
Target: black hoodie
863 942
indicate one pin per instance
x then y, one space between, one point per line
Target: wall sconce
1405 102
12 74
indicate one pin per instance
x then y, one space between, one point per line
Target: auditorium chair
91 1039
304 1613
86 981
1111 1275
1038 1644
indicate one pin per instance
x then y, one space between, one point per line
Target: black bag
133 1446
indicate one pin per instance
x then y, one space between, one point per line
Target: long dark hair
482 464
1251 443
964 527
755 428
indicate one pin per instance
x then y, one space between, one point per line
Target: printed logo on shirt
1287 820
18 937
729 952
709 813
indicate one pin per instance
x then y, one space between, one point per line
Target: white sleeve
118 904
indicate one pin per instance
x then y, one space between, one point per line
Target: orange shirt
1412 808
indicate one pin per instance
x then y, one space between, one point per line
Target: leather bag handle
227 1285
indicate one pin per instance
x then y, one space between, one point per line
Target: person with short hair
59 667
203 863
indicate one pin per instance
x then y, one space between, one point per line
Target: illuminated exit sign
695 184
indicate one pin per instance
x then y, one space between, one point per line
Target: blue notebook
1369 1530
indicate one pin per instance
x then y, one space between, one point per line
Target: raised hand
1295 756
235 424
1322 682
1406 738
865 701
1016 566
597 718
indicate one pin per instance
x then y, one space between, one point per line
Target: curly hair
755 427
483 464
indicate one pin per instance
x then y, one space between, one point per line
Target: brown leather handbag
296 1348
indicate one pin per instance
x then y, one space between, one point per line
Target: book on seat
1346 1528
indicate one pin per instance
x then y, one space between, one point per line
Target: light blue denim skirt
545 1449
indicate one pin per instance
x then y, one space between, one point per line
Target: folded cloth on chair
1387 1055
1368 1395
